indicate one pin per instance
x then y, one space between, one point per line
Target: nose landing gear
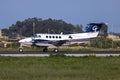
20 49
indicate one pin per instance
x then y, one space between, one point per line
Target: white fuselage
73 38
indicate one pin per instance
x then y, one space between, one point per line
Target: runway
45 54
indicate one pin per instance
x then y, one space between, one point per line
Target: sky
70 11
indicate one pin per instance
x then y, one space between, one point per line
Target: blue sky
71 11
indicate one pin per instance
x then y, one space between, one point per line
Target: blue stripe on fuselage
41 41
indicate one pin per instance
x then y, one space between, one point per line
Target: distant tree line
25 28
102 42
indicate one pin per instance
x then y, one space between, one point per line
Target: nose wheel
20 49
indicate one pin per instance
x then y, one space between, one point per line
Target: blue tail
93 27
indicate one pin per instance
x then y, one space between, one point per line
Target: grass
60 67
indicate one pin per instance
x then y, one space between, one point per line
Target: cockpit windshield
35 35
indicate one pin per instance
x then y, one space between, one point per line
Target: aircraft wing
52 44
58 43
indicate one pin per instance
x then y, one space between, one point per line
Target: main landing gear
46 50
56 50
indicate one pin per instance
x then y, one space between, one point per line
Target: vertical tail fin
93 27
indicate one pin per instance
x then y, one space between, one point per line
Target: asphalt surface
43 54
61 52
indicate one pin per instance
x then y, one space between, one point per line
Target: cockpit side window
34 35
70 37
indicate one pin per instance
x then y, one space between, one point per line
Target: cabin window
56 36
46 36
53 36
49 36
59 36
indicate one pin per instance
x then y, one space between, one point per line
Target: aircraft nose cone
20 41
25 40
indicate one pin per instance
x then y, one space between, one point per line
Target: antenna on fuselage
61 33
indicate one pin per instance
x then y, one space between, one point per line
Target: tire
20 49
45 50
56 50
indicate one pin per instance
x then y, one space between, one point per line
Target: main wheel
45 50
56 50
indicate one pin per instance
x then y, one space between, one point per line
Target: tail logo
95 28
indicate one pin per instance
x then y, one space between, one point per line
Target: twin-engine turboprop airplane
55 40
